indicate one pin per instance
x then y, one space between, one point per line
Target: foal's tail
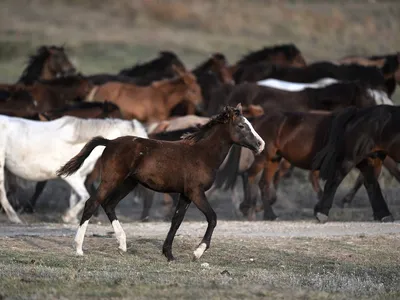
328 158
76 162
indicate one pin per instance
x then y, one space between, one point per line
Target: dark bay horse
334 96
388 64
371 76
284 55
49 62
193 161
359 138
218 65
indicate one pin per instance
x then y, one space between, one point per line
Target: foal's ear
239 107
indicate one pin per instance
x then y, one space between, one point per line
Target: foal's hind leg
180 210
107 191
109 207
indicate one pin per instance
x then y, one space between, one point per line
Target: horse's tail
327 158
76 162
227 175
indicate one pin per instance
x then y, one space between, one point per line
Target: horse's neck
216 146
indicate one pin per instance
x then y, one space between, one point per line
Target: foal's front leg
201 202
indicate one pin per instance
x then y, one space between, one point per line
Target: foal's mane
203 131
289 50
35 64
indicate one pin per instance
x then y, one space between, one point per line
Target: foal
187 167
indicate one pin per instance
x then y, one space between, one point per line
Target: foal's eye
241 126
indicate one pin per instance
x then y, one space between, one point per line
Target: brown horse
19 103
49 62
293 136
193 161
361 138
153 102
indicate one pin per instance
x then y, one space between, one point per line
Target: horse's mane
203 131
67 80
203 67
208 63
289 50
35 64
165 59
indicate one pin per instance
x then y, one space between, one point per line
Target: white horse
35 150
295 86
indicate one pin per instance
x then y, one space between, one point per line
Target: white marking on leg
120 234
200 250
261 148
80 235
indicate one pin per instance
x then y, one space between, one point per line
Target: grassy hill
105 35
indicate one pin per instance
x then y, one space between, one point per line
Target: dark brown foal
187 167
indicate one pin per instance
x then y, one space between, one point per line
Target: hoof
322 218
199 251
79 252
145 219
387 219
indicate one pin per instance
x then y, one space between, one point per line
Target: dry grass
284 268
106 36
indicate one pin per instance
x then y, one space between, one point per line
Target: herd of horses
161 127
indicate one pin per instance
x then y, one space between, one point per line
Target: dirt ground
280 260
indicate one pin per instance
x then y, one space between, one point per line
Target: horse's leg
391 166
353 191
77 184
12 215
313 176
180 210
29 207
107 190
109 207
199 199
148 199
248 206
371 170
285 170
268 196
321 209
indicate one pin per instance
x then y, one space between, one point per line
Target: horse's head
221 68
58 63
193 90
241 131
85 86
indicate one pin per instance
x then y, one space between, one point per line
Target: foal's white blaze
200 250
80 235
261 148
120 234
